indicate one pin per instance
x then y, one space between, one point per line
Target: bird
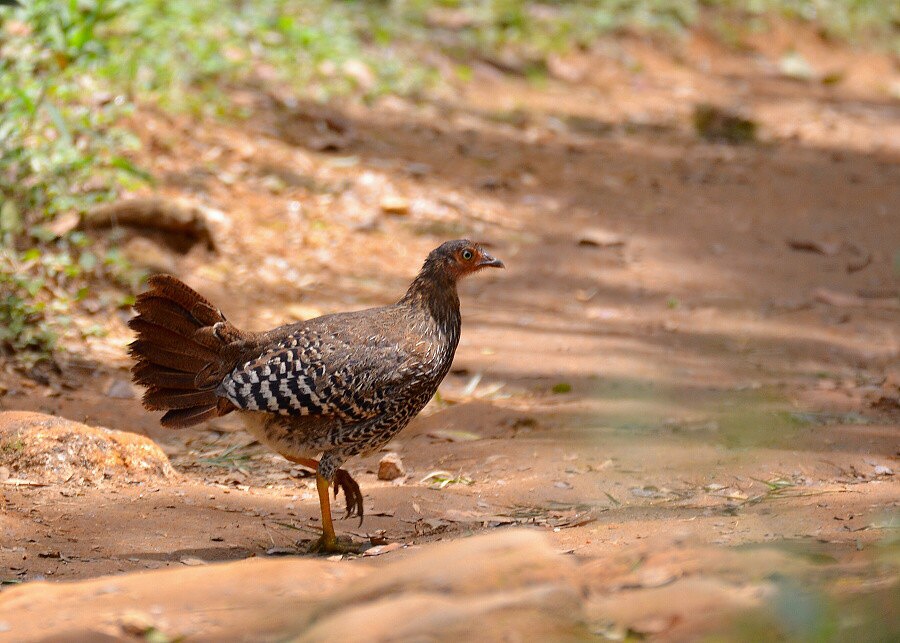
334 386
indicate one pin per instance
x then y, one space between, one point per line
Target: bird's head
458 258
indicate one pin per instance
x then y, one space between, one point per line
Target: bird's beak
488 261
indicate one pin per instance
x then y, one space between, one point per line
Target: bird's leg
329 541
342 481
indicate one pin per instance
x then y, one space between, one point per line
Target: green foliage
71 70
60 154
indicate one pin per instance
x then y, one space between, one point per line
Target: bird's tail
181 352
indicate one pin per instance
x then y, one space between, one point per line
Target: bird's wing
314 373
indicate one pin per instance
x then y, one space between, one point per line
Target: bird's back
347 365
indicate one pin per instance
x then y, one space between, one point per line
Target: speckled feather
340 385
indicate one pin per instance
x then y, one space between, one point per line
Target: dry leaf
600 239
192 561
383 549
452 435
394 205
827 248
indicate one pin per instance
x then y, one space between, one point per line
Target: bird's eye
467 254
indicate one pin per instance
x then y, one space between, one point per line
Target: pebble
390 467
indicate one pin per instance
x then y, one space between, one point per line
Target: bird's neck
434 291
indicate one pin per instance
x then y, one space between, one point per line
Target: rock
418 170
391 467
500 586
52 450
508 585
120 389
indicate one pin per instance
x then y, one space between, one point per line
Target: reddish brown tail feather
179 352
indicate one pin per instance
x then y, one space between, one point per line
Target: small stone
418 170
390 467
395 205
120 390
881 470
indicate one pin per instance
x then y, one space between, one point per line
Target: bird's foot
352 493
335 545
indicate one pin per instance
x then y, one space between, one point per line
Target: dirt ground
694 351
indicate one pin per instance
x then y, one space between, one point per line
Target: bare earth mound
45 449
513 585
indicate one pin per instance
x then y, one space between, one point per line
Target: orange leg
329 541
342 481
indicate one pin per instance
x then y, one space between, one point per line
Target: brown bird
338 385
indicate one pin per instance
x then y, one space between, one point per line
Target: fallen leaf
191 561
278 551
64 223
600 239
827 248
19 482
418 169
471 385
394 205
383 549
647 492
794 65
653 624
845 300
859 264
452 435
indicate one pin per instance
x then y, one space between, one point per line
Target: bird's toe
352 493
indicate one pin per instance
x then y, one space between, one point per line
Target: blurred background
687 380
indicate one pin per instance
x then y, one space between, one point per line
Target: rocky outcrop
46 449
508 585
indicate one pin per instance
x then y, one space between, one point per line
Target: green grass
71 70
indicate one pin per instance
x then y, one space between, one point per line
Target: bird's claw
335 545
352 493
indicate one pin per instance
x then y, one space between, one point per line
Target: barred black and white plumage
337 385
